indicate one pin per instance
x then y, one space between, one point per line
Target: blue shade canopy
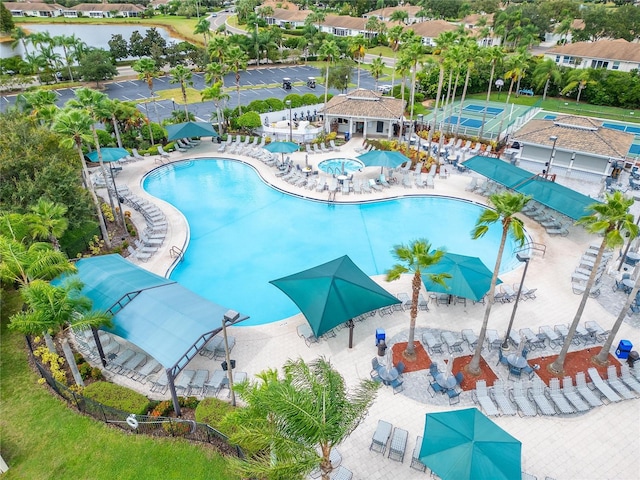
466 445
190 129
108 154
158 315
383 158
560 198
470 277
282 147
334 292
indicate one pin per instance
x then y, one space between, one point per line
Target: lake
93 35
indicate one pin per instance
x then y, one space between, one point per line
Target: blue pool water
245 233
335 165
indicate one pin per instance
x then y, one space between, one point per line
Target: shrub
119 397
54 361
78 358
309 99
85 370
96 373
178 428
275 103
211 411
296 100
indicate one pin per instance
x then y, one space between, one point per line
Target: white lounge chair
525 407
398 444
381 437
558 397
374 185
628 379
433 345
481 396
332 144
602 387
571 394
617 385
162 153
502 400
536 393
583 389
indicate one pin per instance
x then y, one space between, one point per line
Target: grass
381 50
42 438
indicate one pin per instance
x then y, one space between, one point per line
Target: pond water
97 36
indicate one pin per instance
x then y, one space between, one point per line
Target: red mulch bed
423 361
578 361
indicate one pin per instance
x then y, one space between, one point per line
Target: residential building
28 9
385 14
103 10
609 54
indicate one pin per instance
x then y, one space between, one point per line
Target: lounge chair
136 155
366 186
398 444
558 398
214 384
374 185
138 255
161 383
341 473
606 391
472 184
224 145
305 332
405 301
536 393
381 437
628 379
316 149
162 153
383 181
333 146
324 148
430 182
596 330
470 337
617 385
196 386
583 389
142 374
571 394
482 398
493 339
423 303
525 407
322 184
116 364
454 344
433 345
181 384
420 182
184 146
416 464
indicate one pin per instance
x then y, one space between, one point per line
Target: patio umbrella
383 158
334 292
464 444
282 147
108 154
470 278
190 129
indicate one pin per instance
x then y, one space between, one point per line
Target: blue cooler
380 335
624 347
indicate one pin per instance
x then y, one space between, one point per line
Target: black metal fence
143 424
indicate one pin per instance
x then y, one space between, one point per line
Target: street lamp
230 318
115 189
549 164
288 103
174 103
525 259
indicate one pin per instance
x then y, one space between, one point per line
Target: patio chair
211 346
196 386
161 383
583 389
557 397
316 149
162 153
305 332
481 396
442 299
406 301
181 384
436 388
501 358
571 394
324 148
397 385
470 337
374 185
366 186
537 394
501 398
214 384
341 473
400 368
382 180
493 338
333 146
525 407
628 379
119 360
550 334
381 437
142 374
238 377
398 444
129 367
454 396
596 330
416 464
617 385
433 345
606 391
528 476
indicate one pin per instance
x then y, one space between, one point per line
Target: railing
532 247
177 253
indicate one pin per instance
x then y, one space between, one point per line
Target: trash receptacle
225 366
633 358
382 348
624 347
380 335
347 135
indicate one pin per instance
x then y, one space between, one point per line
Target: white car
384 88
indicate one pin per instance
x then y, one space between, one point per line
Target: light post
549 164
230 318
526 260
288 103
115 189
420 118
173 101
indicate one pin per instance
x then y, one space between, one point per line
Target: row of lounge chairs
197 382
586 264
184 144
547 218
321 148
394 439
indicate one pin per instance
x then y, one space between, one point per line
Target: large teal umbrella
108 154
470 278
334 292
190 129
282 147
466 445
383 158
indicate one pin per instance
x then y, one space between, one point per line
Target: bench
526 91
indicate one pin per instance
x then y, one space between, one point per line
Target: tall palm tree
394 34
202 28
218 50
287 421
48 221
216 94
400 16
545 72
517 65
237 63
471 51
357 50
75 126
182 76
147 71
403 68
20 37
329 51
415 258
506 205
612 220
108 111
214 73
377 68
33 103
495 56
579 78
67 43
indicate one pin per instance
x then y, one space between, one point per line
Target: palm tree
517 67
202 27
329 51
287 421
357 50
506 205
76 126
218 96
147 71
400 16
214 73
48 221
414 258
394 34
218 50
183 76
67 43
108 110
544 73
578 78
612 220
377 68
52 308
35 102
471 51
237 63
20 37
494 55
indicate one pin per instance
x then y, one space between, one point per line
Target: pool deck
599 444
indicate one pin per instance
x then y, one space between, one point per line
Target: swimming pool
244 233
336 165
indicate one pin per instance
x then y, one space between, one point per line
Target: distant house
287 18
553 37
430 30
28 9
477 20
608 54
364 113
480 24
343 26
385 14
582 144
103 10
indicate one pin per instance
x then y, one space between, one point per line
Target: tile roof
288 15
341 21
388 11
475 17
280 5
432 28
106 7
580 134
365 104
32 7
618 49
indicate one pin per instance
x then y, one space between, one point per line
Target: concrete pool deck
599 444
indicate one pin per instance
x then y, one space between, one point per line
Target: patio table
446 382
517 361
388 375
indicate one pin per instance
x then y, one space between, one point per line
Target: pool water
336 165
244 233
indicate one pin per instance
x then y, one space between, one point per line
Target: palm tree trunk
464 94
546 88
410 351
116 129
87 180
104 171
506 109
486 103
326 93
557 367
435 111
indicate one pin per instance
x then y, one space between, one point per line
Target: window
616 66
567 60
599 64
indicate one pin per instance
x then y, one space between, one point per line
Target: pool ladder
176 252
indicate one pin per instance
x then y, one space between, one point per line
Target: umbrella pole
350 324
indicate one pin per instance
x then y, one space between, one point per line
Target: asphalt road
256 83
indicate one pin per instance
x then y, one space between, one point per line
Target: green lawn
42 438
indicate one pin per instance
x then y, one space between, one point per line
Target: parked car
384 89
